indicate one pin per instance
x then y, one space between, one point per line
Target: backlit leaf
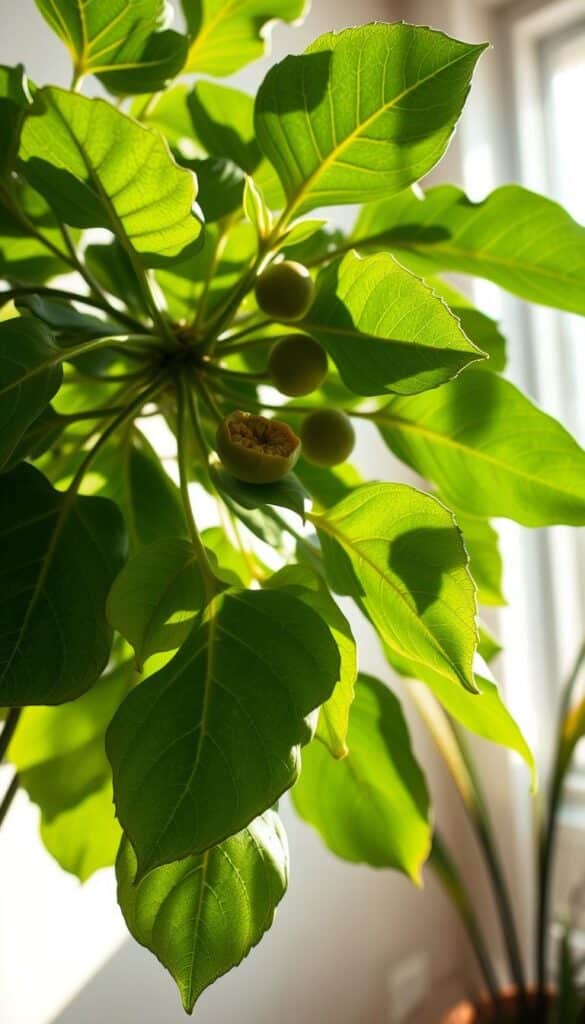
227 34
219 728
372 807
201 916
362 113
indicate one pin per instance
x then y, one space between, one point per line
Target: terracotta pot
482 1012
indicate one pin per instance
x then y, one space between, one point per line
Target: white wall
340 927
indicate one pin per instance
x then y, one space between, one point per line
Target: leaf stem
183 407
61 356
548 832
9 797
245 331
458 758
88 300
449 877
238 375
86 274
10 723
210 400
127 413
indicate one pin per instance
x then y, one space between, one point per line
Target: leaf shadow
421 557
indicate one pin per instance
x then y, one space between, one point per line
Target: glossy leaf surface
26 347
372 807
212 740
60 555
385 329
201 916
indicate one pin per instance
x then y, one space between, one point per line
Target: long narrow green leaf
489 450
516 238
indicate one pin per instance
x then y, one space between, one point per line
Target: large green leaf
212 740
98 168
223 122
14 99
489 450
203 915
373 807
227 34
85 838
124 42
131 474
157 596
23 255
334 713
484 714
362 113
516 238
25 346
287 492
60 555
400 554
385 329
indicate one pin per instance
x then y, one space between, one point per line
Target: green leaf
490 451
362 113
223 122
255 208
219 728
98 168
385 329
130 473
227 34
516 238
372 807
334 714
85 838
403 559
14 99
124 43
23 256
482 543
203 915
42 434
221 187
156 598
183 283
484 714
328 486
287 492
59 555
112 269
169 114
29 377
242 566
59 752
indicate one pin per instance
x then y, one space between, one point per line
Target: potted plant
167 668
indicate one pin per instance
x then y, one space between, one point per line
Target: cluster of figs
259 450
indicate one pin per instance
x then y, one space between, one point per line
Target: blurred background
352 945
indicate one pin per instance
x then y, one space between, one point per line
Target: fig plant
159 271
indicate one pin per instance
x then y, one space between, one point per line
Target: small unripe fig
328 437
256 449
297 365
284 290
